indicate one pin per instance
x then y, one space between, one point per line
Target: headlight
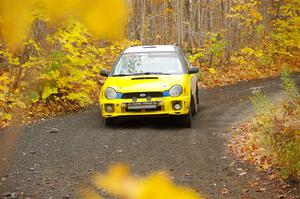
175 91
110 93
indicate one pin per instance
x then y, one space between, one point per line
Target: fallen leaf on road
224 191
245 190
262 189
243 173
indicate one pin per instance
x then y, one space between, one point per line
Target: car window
151 62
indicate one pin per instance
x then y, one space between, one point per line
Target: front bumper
165 106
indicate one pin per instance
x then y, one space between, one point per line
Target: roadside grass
271 140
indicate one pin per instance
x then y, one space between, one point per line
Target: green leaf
49 91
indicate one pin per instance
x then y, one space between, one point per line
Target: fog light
109 108
177 106
160 103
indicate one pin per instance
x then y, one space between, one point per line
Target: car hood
144 83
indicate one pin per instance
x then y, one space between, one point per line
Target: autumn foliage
50 55
50 61
119 182
261 58
272 139
17 16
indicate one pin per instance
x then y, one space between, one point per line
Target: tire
194 106
197 96
109 121
186 120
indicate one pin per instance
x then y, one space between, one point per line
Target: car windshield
164 63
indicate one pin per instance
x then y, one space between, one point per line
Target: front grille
142 95
159 108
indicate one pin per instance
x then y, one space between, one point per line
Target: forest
229 40
51 53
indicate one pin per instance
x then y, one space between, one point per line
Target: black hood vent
137 78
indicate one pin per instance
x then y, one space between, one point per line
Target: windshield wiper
152 73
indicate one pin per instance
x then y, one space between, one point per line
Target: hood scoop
138 78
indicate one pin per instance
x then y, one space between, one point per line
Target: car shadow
147 122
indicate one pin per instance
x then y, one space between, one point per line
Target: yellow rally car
150 81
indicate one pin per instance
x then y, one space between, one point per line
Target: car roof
153 48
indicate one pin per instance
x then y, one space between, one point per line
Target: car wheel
197 96
109 121
194 106
186 120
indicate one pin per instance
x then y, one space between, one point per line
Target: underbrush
271 140
55 75
229 75
244 64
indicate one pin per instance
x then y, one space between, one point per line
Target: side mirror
193 70
104 73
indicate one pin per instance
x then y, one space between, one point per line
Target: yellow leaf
7 116
212 70
89 194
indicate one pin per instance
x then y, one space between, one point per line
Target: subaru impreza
153 80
